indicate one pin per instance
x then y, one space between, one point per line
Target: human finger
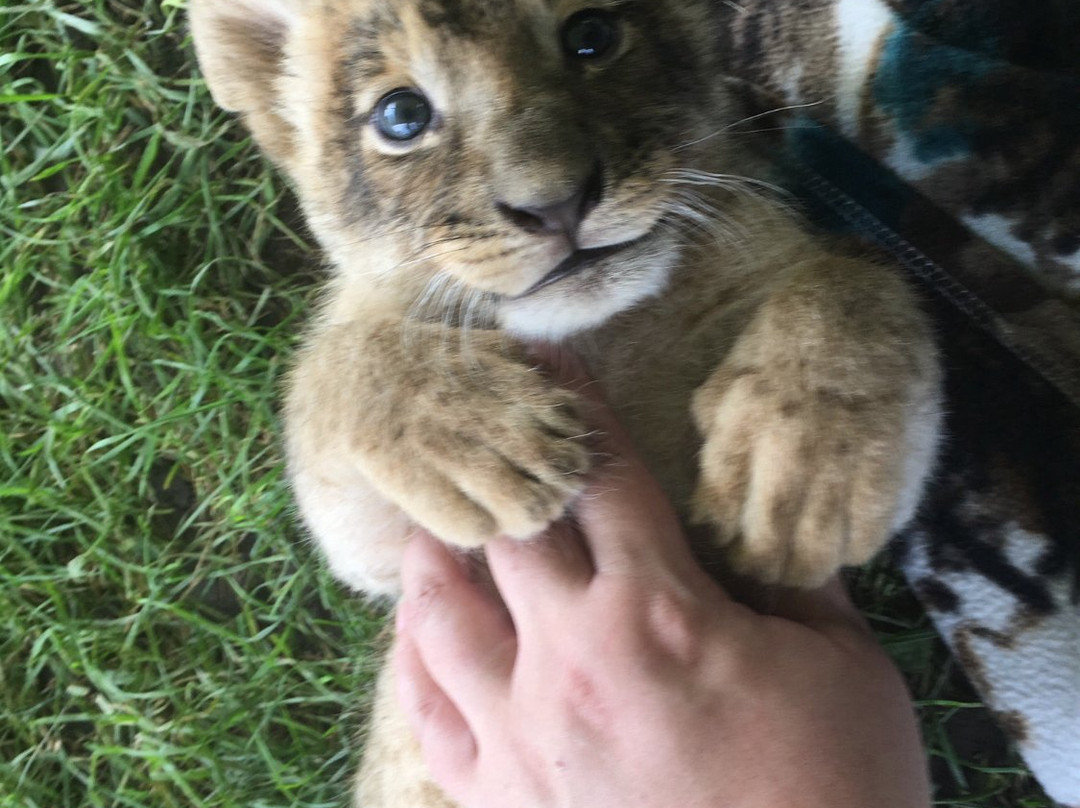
824 608
623 495
627 520
563 366
538 578
463 635
444 735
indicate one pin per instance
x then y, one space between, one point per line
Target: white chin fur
580 303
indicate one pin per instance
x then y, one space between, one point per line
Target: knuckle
676 626
657 621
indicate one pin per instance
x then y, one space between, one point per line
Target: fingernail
564 367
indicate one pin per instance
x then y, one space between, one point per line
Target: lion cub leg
391 426
393 773
820 426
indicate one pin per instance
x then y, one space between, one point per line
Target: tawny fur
783 392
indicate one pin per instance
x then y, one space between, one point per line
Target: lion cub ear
240 45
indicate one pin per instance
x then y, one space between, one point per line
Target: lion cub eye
590 34
402 115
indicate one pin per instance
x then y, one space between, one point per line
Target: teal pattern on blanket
1038 34
981 28
913 84
977 105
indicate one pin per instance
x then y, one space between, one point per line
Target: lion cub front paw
799 483
474 448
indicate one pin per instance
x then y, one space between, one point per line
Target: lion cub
486 171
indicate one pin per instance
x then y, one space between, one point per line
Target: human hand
614 673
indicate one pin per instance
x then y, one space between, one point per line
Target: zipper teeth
919 264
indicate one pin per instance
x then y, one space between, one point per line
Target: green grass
166 637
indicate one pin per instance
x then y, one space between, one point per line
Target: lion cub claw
471 444
819 428
797 486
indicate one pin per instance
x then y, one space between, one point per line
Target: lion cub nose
563 217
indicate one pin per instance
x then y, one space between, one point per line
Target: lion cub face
532 156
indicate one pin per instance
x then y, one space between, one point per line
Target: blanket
948 133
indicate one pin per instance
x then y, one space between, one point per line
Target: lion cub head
534 155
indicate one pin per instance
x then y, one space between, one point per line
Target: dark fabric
948 133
